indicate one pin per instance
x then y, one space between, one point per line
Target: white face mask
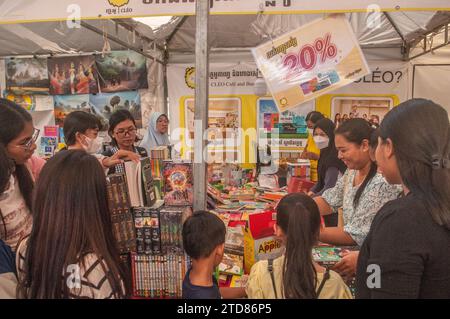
94 145
321 142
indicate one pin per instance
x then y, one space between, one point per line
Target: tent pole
201 103
405 47
118 41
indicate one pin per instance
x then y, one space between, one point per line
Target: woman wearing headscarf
157 134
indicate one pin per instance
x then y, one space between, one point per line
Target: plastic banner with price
310 61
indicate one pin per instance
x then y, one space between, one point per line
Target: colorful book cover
178 184
327 255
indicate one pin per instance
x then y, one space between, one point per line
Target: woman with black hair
71 252
405 254
81 132
17 137
8 280
123 132
295 275
330 166
361 191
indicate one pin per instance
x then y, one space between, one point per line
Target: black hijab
328 156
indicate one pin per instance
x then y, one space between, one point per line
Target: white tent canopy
390 30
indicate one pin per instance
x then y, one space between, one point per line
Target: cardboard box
260 242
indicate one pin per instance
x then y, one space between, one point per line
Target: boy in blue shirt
204 242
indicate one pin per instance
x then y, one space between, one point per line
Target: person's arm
314 191
232 293
324 207
331 177
332 198
346 267
336 236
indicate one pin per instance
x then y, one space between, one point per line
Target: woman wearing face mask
123 131
330 166
17 138
157 132
81 133
410 236
311 151
361 191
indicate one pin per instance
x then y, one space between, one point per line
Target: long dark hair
116 118
72 219
12 122
420 133
329 155
299 218
79 122
356 131
5 174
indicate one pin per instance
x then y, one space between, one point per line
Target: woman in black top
405 254
123 131
329 166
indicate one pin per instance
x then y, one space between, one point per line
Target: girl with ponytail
295 275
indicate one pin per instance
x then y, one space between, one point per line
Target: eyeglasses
27 145
123 133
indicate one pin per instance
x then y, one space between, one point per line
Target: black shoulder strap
326 276
270 269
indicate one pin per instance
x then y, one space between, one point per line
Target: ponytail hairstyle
12 122
356 131
420 133
299 218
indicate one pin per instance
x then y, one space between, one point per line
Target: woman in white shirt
18 137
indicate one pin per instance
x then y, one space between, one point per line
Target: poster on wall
28 102
310 61
370 97
122 71
65 104
105 104
27 76
72 75
224 121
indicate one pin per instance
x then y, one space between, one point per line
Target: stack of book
242 195
156 276
121 216
233 259
159 266
148 232
158 155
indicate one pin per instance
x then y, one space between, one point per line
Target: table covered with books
152 199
